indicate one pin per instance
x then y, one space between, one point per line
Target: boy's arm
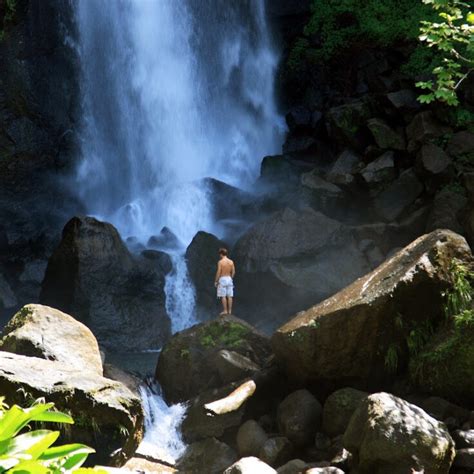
232 272
216 280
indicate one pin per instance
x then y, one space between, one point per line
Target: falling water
172 92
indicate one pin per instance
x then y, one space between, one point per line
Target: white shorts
225 287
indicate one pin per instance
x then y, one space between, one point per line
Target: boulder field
45 353
336 388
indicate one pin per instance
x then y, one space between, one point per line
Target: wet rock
404 100
321 194
276 451
250 438
299 417
433 159
423 128
166 239
47 333
446 211
279 169
95 403
347 337
461 145
299 144
385 137
464 459
339 408
250 465
92 275
201 260
346 122
34 271
422 442
298 118
400 194
380 170
186 366
345 167
7 297
295 466
210 456
278 256
161 259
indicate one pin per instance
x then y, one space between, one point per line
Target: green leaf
32 443
57 452
54 417
29 467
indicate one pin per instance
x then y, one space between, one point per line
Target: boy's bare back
226 267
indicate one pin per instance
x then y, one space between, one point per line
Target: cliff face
38 108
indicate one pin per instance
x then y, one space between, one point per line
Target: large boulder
98 405
250 465
47 333
93 276
293 259
360 333
201 259
388 434
250 438
190 361
385 136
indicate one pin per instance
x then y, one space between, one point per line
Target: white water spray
173 92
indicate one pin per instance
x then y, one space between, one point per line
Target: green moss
228 335
7 10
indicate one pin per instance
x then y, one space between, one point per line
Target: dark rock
385 137
400 194
347 122
7 297
209 456
161 259
347 337
446 211
92 275
422 442
166 239
464 458
461 145
250 465
34 271
344 168
199 423
339 408
320 194
298 117
380 170
250 438
442 409
279 169
299 417
299 144
40 331
276 451
423 128
95 403
433 159
404 100
201 259
186 366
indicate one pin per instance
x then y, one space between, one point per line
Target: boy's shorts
225 287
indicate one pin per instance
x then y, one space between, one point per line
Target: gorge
138 137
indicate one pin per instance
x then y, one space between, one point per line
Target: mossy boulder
189 362
388 434
107 415
359 336
47 333
445 367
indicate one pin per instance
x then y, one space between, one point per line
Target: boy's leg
224 305
229 305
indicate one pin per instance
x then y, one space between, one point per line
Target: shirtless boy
223 281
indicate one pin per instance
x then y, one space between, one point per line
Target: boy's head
223 252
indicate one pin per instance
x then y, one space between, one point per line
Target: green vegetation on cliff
7 14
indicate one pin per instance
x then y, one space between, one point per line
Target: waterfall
173 91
